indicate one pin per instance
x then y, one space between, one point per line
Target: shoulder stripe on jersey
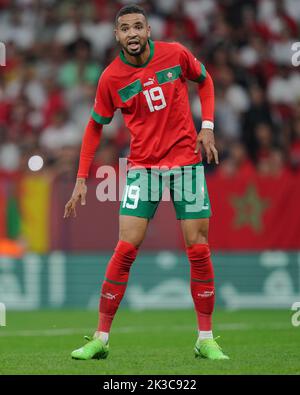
130 90
98 118
202 76
168 75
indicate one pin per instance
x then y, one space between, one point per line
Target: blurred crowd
56 51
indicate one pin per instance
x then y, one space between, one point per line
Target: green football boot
209 348
93 349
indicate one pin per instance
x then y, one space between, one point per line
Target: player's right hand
79 192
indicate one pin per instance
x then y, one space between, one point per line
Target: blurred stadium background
55 52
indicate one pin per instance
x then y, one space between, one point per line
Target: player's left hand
207 139
79 193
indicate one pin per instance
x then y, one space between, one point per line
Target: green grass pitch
150 342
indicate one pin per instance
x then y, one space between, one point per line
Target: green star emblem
249 209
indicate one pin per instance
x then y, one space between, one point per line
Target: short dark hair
130 9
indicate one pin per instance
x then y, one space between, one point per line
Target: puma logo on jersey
149 82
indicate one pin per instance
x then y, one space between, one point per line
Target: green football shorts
185 185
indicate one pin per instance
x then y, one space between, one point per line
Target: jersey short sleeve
192 68
103 109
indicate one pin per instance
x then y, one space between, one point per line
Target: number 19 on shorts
131 192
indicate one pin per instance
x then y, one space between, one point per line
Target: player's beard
136 53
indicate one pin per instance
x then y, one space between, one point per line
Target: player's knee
195 238
131 237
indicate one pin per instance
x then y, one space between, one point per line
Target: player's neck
138 60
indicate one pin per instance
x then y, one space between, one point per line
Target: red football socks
115 282
202 284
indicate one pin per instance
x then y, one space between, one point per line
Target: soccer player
147 81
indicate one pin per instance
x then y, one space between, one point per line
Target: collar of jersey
151 45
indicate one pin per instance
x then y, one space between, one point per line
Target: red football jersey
154 102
